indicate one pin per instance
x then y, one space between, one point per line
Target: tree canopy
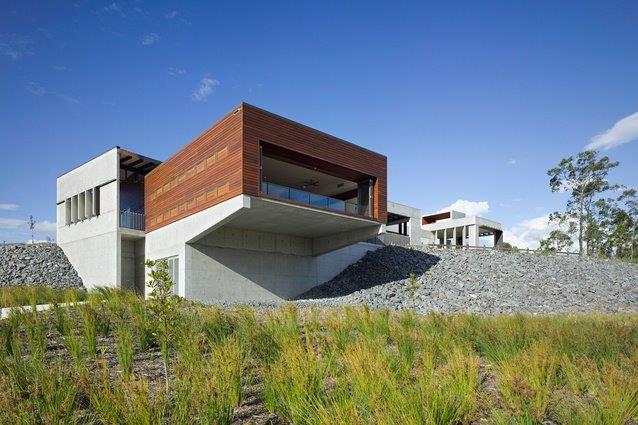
603 225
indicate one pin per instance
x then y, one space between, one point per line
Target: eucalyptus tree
583 177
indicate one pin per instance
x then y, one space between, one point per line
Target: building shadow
387 264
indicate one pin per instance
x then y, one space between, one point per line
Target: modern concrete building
455 228
100 218
403 226
256 207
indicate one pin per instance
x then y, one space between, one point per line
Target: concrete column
444 236
474 236
436 239
464 235
498 238
454 236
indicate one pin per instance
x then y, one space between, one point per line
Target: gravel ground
36 264
483 282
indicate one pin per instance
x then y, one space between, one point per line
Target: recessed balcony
308 181
132 220
312 199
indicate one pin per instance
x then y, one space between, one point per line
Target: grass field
27 295
119 359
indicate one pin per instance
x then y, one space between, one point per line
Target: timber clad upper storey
251 151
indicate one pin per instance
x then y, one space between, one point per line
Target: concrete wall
171 240
127 263
271 272
91 245
97 171
414 226
95 259
140 268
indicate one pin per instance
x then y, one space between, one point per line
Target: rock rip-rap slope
483 282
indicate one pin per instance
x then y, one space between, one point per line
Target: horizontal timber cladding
262 126
223 162
204 173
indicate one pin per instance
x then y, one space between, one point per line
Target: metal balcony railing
132 220
313 199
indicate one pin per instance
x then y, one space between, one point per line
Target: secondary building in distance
455 228
256 207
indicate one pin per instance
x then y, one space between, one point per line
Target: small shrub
163 305
412 286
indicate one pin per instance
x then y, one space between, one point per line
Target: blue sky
470 101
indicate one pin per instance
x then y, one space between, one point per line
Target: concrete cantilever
249 248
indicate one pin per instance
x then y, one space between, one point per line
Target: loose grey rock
36 264
484 282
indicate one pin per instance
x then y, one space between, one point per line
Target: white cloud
68 98
177 16
204 90
468 207
512 161
45 227
149 39
176 71
11 223
115 7
9 207
60 68
528 233
624 131
15 46
35 88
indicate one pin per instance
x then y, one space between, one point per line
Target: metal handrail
132 220
305 197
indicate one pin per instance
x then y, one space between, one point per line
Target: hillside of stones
484 282
36 264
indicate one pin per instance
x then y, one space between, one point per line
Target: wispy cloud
47 227
468 207
37 89
15 46
11 223
204 90
9 207
115 8
623 131
149 39
60 68
512 161
67 98
176 16
176 71
44 227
